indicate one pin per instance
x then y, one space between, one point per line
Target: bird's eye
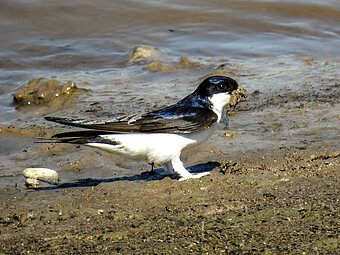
221 87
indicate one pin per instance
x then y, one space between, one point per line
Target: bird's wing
175 119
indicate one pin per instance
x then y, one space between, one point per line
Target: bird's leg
152 166
182 172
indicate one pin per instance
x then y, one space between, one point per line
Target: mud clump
237 96
184 63
50 93
143 53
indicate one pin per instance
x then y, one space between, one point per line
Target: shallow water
274 47
83 40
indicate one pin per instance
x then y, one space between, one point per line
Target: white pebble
41 173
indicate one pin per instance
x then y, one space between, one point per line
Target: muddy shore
285 203
273 189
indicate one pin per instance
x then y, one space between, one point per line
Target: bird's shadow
154 175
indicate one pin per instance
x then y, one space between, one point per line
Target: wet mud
285 203
273 188
43 96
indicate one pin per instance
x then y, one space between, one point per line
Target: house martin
158 136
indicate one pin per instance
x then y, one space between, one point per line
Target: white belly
157 148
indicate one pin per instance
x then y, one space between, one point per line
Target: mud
273 188
287 203
49 95
183 63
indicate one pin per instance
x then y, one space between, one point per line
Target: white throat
219 101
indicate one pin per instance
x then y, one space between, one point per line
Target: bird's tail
75 137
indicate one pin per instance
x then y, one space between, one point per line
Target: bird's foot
194 176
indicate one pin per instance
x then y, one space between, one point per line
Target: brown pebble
229 134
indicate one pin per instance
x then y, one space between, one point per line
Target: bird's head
217 90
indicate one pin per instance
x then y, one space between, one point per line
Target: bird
158 136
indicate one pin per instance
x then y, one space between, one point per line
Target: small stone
229 134
41 173
143 51
32 183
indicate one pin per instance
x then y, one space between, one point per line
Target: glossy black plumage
178 120
192 114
